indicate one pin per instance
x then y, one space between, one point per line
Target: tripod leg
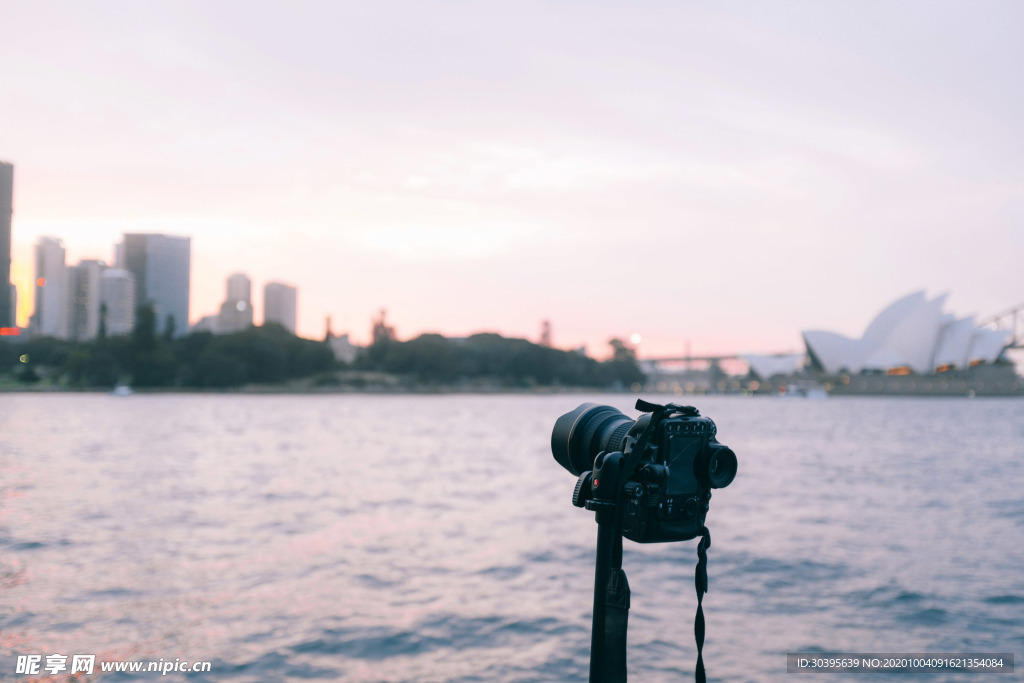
616 621
605 547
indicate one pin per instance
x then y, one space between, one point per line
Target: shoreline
269 390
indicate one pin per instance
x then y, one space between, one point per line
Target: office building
280 305
117 301
50 318
161 266
84 299
239 287
236 311
7 313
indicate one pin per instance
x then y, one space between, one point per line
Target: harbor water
407 538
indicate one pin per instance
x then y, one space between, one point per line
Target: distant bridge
708 367
704 363
689 359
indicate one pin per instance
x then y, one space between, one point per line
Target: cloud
443 242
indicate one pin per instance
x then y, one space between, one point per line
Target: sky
712 176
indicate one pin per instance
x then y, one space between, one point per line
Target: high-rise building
117 301
239 287
7 317
161 266
84 301
50 318
280 305
236 311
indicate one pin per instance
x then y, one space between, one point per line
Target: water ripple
392 539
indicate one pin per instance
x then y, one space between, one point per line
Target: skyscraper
117 301
161 266
6 211
239 287
280 305
236 311
84 302
50 318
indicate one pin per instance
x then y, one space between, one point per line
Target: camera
658 470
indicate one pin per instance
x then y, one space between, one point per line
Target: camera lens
720 466
581 434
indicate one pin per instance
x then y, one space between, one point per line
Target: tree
622 367
144 332
219 370
169 327
156 368
621 352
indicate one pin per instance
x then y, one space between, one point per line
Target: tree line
271 354
267 354
434 359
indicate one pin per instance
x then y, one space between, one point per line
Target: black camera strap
700 578
616 614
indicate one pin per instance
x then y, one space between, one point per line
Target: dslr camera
657 470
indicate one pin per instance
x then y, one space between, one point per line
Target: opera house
910 335
911 347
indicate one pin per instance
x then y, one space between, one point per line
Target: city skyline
717 176
69 299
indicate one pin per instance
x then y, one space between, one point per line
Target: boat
803 389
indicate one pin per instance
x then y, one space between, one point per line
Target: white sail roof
913 337
986 345
911 332
955 342
835 352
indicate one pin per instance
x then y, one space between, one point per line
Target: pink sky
722 174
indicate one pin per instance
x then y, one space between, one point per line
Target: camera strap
700 577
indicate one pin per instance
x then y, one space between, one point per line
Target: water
431 538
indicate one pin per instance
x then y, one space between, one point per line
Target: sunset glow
711 176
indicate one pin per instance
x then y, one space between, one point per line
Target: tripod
611 598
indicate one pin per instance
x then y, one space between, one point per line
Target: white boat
803 390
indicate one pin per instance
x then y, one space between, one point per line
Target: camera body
658 470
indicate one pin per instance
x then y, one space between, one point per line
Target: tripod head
649 480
